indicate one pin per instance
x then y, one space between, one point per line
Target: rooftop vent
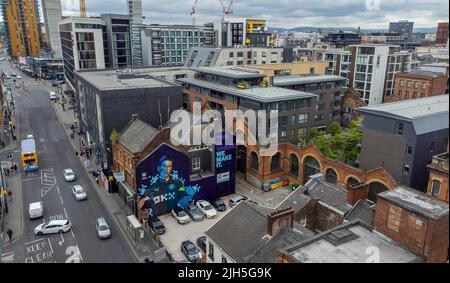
339 237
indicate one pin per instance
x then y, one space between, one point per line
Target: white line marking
7 257
61 199
57 187
65 212
30 179
50 244
62 240
34 241
73 235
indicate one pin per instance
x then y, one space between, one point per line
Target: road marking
57 187
48 181
40 251
65 212
7 257
31 179
62 240
50 244
61 200
75 255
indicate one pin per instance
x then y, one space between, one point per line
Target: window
406 94
409 149
402 82
196 163
231 54
432 146
224 259
406 169
293 119
312 70
408 84
211 252
283 134
378 60
424 85
399 127
436 188
302 132
416 84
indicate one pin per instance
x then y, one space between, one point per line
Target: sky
282 13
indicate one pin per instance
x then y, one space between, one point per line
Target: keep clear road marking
39 251
7 257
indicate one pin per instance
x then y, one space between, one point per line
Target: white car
19 77
54 226
53 96
69 175
180 215
79 193
36 210
207 209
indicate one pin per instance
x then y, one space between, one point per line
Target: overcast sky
283 13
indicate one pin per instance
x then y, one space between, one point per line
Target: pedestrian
12 169
10 234
3 144
15 168
7 171
10 195
76 153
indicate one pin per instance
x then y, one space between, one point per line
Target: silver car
103 228
79 192
69 175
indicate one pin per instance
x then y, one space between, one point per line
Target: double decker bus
29 154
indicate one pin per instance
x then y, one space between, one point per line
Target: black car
156 225
219 205
194 213
190 251
201 243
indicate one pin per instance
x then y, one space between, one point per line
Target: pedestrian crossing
7 257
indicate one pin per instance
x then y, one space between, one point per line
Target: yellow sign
3 192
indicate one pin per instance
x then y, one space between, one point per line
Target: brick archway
325 170
375 187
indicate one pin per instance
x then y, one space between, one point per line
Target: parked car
54 226
194 213
180 215
14 74
103 228
236 200
36 210
201 243
19 77
207 209
69 175
79 192
8 76
190 251
219 205
156 225
53 96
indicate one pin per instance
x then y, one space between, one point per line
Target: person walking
10 234
10 195
15 168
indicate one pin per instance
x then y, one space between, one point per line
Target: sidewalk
117 207
13 219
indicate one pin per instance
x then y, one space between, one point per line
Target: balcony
440 162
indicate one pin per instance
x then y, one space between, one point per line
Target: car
36 210
19 77
79 192
54 226
69 175
180 215
14 74
156 225
53 96
8 77
194 213
103 228
219 205
236 200
201 243
190 251
207 209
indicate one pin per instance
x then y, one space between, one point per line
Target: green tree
352 148
335 129
115 136
315 133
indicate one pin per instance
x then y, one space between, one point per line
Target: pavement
147 246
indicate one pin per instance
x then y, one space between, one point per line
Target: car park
219 205
79 192
103 228
69 175
194 213
207 209
236 200
201 243
180 215
36 210
52 227
190 251
156 225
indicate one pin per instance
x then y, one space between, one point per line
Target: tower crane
227 10
82 7
193 12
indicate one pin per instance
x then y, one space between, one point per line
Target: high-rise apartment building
403 27
52 15
442 33
118 36
373 70
242 32
135 12
23 28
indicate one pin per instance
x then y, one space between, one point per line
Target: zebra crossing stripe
7 257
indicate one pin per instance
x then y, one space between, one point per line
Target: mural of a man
166 190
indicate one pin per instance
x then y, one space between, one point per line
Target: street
36 116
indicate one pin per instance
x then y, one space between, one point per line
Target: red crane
227 10
193 12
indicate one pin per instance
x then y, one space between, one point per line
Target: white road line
57 187
61 200
33 241
73 235
50 244
65 212
7 257
30 179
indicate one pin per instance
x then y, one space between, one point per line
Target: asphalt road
37 117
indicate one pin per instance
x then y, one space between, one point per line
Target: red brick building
438 180
418 84
416 221
442 33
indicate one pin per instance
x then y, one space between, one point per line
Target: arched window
275 162
311 167
331 176
352 182
255 161
294 165
374 189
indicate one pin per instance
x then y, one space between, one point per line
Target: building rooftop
416 201
297 80
137 135
261 94
114 80
297 200
234 73
363 210
420 74
349 243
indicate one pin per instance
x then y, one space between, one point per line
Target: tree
314 133
352 148
115 136
334 129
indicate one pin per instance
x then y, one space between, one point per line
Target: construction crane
227 10
83 8
193 12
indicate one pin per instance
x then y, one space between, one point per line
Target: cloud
282 13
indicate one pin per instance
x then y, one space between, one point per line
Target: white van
36 210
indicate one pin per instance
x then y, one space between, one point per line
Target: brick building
416 221
442 33
418 83
438 180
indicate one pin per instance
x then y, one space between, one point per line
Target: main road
36 116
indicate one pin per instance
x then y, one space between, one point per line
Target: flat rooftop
297 80
349 243
416 201
261 94
113 80
230 72
411 109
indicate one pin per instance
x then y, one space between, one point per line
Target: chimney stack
280 219
134 117
357 192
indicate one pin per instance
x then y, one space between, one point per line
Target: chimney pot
134 117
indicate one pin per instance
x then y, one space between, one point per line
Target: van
36 210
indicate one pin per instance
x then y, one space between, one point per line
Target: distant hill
336 29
